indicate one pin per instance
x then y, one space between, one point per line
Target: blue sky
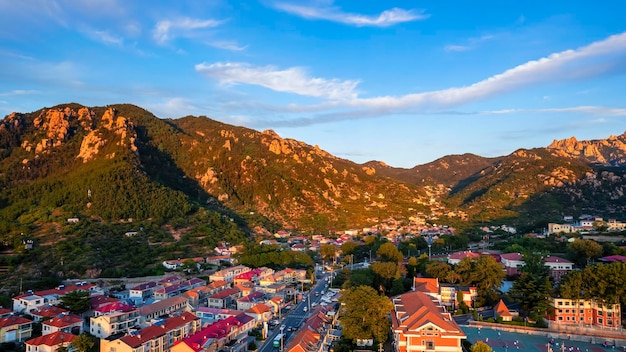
403 82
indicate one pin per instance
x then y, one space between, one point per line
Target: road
292 321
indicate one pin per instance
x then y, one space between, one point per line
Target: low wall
615 337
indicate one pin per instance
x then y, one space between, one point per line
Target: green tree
83 343
385 273
484 273
329 251
76 301
438 269
364 314
583 251
480 346
349 247
359 277
389 253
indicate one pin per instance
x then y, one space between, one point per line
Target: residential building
449 295
586 312
142 292
51 342
30 301
212 315
217 286
419 323
512 262
215 336
558 228
14 328
113 319
47 312
249 301
228 274
160 336
69 323
456 257
170 291
558 266
224 299
197 296
5 312
502 311
262 313
164 308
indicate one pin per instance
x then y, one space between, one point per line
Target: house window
599 320
600 313
560 318
609 322
429 344
609 314
582 311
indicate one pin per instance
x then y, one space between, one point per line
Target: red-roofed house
47 312
5 312
512 263
224 299
249 301
101 300
14 328
113 318
429 286
502 311
559 267
228 274
418 324
217 286
210 338
456 257
260 312
50 342
613 259
158 337
197 296
30 300
70 323
585 312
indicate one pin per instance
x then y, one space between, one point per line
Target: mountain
120 161
140 189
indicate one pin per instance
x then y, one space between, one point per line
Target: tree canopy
364 314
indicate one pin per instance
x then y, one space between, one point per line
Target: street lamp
430 243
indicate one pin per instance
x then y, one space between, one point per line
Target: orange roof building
503 311
420 323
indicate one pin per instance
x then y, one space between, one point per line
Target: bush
252 346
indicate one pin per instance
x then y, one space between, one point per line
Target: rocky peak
56 124
111 121
610 151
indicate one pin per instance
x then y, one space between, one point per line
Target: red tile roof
502 310
12 320
424 284
53 339
65 320
414 310
154 331
217 330
115 307
51 311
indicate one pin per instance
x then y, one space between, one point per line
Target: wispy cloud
596 59
167 30
227 45
470 44
332 13
19 92
291 80
105 37
589 110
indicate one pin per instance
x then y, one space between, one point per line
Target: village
240 308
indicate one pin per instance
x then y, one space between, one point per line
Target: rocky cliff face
610 151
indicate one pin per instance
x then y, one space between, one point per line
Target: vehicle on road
278 340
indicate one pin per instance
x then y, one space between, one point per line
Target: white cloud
595 59
227 45
19 92
166 30
292 80
105 37
472 43
588 109
331 13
